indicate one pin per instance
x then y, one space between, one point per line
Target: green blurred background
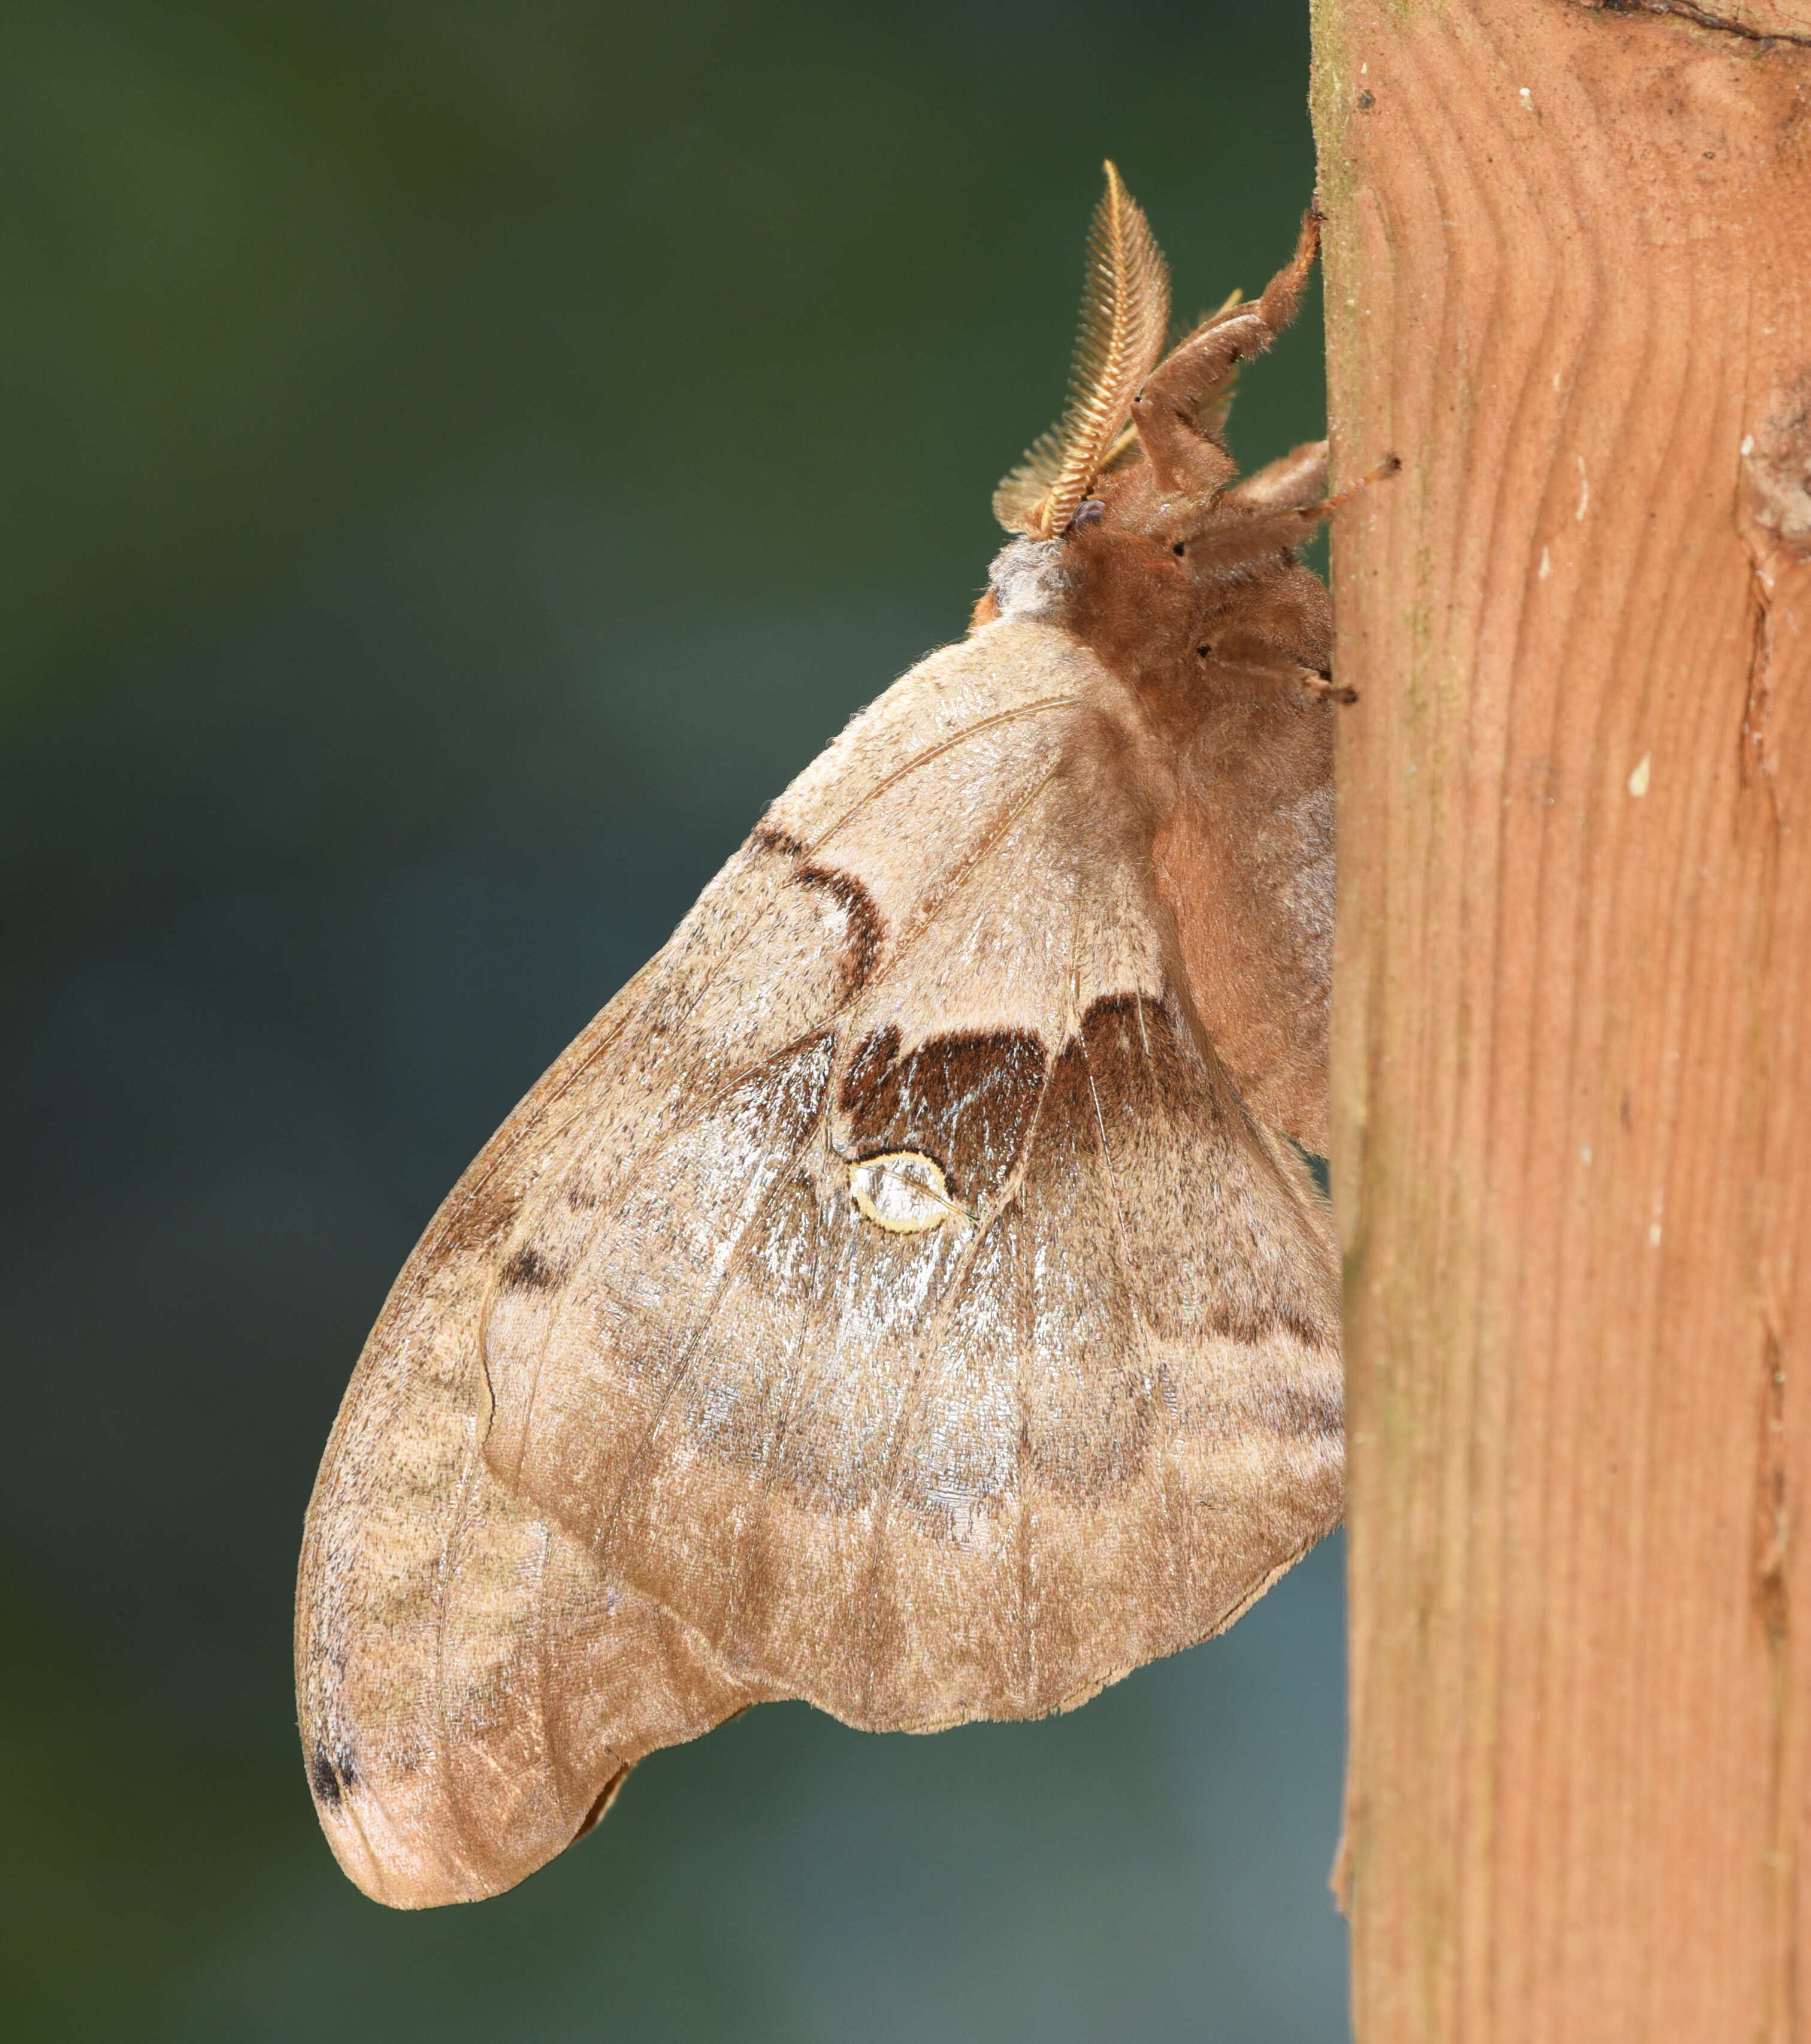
460 460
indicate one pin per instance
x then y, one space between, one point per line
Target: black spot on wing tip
330 1778
1319 1169
528 1270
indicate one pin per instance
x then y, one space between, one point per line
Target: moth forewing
905 1295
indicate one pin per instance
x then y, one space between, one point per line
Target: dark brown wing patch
1174 1128
968 1100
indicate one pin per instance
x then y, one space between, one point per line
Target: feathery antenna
1125 309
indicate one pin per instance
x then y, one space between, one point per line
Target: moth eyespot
1204 652
905 1192
1181 546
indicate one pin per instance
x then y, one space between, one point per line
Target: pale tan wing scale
660 1422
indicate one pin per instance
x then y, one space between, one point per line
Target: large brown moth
907 1294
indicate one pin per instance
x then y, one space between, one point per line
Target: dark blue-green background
458 461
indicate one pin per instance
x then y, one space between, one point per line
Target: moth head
1135 533
1088 476
1131 546
1130 534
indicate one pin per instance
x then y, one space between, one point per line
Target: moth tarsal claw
904 1192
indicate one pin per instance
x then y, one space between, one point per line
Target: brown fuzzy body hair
1186 583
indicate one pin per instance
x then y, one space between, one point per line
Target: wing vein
965 873
682 1371
1018 715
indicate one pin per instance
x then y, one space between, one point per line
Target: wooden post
1568 282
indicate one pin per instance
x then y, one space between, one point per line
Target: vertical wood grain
1568 282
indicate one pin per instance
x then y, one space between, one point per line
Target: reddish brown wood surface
1568 282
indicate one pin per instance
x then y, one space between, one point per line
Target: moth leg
1283 521
1164 410
1283 293
1292 482
1390 465
1229 542
1313 679
1318 684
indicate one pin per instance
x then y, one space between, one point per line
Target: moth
908 1294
